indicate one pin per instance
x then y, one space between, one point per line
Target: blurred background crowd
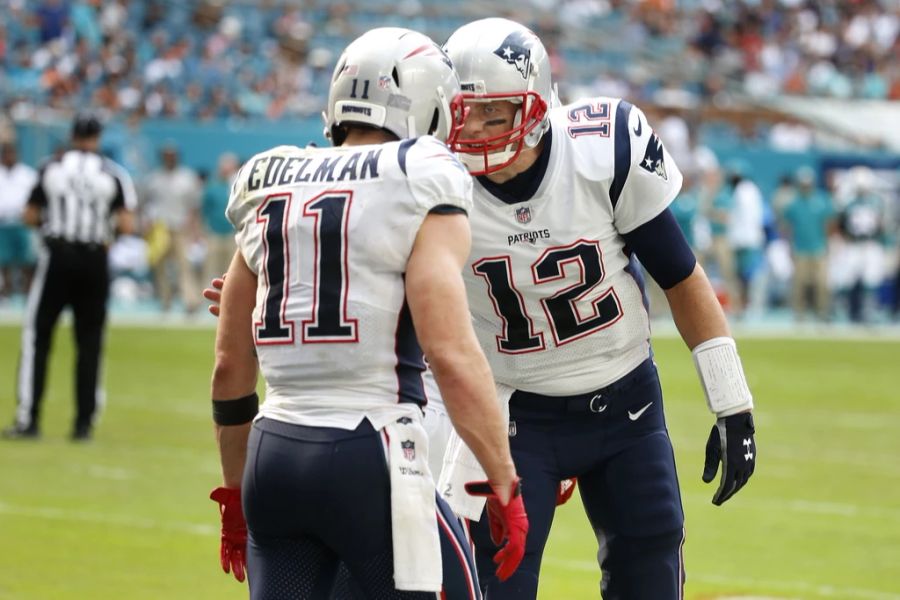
783 114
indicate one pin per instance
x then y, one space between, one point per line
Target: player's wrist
722 377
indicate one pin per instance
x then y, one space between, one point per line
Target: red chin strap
534 109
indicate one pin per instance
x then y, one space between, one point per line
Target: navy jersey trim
447 209
633 268
622 141
663 250
523 186
410 360
405 145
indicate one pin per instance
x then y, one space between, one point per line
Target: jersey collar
523 186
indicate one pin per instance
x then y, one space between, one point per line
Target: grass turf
127 516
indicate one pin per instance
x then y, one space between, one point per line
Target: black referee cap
85 125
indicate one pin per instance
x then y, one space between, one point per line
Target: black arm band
662 249
237 411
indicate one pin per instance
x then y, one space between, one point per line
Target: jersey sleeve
646 178
437 179
241 212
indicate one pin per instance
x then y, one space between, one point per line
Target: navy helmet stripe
405 145
622 139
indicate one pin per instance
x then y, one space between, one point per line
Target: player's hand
507 522
565 491
233 548
214 294
731 443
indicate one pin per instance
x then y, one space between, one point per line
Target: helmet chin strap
475 162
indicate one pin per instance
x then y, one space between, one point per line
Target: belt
595 401
55 243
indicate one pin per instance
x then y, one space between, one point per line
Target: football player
565 199
346 254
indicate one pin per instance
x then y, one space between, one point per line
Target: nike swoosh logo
634 416
639 128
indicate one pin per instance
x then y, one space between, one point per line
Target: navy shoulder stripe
447 209
622 143
405 145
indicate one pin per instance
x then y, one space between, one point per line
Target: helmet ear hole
434 122
396 77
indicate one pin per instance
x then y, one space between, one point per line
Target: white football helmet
499 59
395 79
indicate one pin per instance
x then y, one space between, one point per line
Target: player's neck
366 137
86 145
527 158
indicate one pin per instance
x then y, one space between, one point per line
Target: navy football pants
315 497
615 441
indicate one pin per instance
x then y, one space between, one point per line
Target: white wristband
722 377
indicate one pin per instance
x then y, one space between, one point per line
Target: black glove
730 442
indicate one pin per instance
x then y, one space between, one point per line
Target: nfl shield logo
523 215
409 450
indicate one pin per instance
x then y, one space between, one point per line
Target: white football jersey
554 303
329 231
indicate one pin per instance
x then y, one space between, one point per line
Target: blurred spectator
862 226
220 244
16 242
746 236
721 247
808 218
171 207
676 53
52 17
686 207
784 194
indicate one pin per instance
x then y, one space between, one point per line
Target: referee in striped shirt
78 201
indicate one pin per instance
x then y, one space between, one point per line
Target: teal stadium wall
202 143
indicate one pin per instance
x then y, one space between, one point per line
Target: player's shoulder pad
434 173
588 126
241 200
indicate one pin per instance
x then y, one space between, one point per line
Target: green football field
127 516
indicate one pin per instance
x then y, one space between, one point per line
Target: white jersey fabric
329 232
554 305
15 185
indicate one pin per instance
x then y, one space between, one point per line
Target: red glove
507 522
565 491
233 549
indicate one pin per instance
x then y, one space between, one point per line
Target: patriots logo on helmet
515 51
409 450
653 158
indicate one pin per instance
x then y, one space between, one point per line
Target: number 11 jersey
329 231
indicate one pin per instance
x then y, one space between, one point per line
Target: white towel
417 545
461 467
